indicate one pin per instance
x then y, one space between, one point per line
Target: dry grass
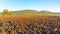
33 19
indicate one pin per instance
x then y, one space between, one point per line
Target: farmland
29 24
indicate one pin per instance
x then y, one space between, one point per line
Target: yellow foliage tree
6 12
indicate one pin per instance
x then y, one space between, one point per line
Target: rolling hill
34 12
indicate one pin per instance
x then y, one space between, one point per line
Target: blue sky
51 5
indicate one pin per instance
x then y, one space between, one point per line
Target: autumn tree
6 12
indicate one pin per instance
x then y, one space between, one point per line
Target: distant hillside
34 12
25 12
43 12
0 13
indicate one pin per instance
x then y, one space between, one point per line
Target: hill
34 12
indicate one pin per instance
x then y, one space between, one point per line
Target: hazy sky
52 5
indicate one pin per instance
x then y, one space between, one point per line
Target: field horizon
34 12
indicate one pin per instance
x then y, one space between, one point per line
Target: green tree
6 12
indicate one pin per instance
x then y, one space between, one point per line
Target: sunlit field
29 24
